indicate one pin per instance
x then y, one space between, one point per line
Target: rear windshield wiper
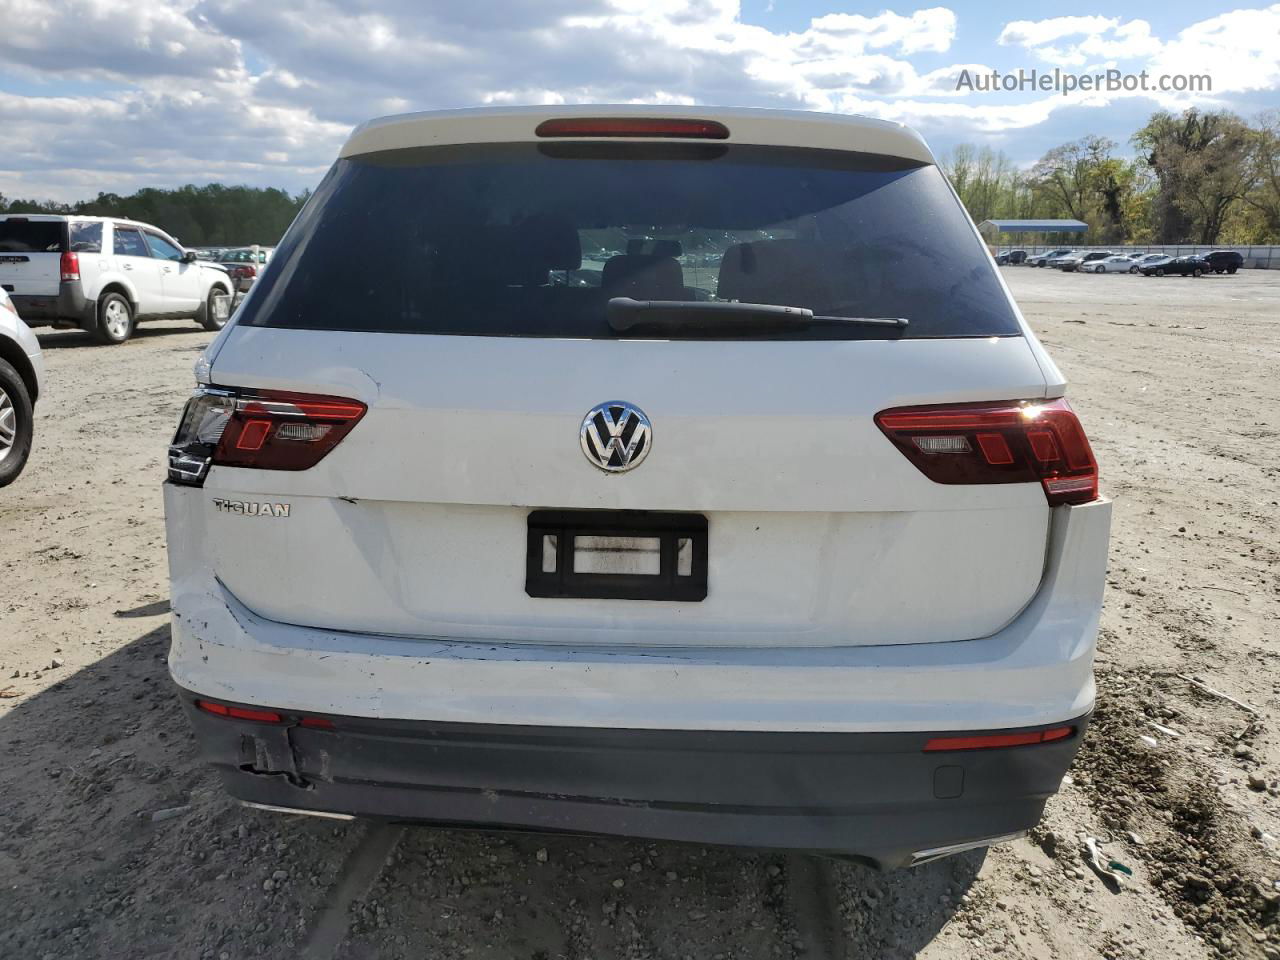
625 315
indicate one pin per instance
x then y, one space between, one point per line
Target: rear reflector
261 716
633 127
1006 442
239 713
995 741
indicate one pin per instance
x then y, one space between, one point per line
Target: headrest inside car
642 246
550 240
790 272
517 254
643 277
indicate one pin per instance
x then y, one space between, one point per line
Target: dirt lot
114 842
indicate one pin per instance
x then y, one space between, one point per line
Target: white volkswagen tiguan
665 472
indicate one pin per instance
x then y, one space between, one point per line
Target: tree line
1196 177
212 215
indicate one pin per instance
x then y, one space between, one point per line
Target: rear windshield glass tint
534 239
31 236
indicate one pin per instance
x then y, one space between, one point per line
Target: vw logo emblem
616 436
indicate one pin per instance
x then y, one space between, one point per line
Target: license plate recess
617 555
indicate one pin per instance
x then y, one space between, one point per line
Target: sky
114 95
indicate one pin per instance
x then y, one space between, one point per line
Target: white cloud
115 38
1094 38
1240 50
1037 33
251 91
924 31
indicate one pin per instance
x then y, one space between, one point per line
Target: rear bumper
69 305
878 797
1035 671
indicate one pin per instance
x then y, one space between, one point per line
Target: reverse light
1005 442
633 127
69 266
262 430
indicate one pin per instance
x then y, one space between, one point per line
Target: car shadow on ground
117 841
51 339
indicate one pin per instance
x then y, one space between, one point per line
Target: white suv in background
104 274
795 543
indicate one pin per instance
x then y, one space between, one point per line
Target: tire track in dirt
359 873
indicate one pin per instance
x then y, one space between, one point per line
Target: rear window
127 242
534 239
86 237
19 235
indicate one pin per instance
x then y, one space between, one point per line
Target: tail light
69 266
633 127
998 443
265 431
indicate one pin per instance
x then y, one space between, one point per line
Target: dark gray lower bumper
68 306
878 796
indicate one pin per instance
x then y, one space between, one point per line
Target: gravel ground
116 842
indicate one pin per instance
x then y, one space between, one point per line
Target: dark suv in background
1224 261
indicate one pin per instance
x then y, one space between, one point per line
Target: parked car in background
1154 265
1041 259
21 371
1188 266
374 614
1116 263
103 274
1224 261
244 264
1140 260
1076 260
1017 256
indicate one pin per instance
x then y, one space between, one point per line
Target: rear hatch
31 251
461 295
